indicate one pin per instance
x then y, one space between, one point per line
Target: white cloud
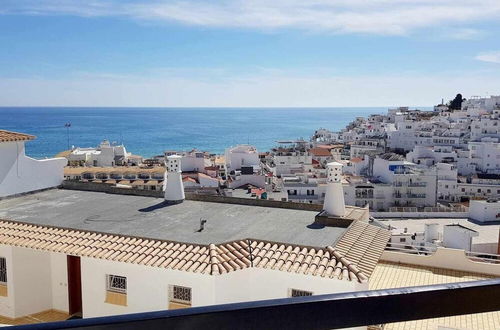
492 57
390 17
465 34
263 89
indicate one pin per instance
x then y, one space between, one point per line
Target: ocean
150 131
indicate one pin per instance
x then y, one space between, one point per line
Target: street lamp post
67 125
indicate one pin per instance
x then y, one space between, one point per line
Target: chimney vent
174 188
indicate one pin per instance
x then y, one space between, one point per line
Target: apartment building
395 182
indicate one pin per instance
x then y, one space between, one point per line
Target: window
117 284
402 239
179 296
299 293
116 290
3 271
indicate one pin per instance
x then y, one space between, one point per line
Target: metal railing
410 248
331 311
483 257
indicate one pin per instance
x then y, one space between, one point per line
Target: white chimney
174 189
334 198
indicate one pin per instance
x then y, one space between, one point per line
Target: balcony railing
331 311
417 184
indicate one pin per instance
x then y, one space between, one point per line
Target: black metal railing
331 311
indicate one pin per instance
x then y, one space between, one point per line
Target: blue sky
247 53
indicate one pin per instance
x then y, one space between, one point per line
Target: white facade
484 211
104 155
37 281
485 156
458 237
241 155
304 189
20 173
192 161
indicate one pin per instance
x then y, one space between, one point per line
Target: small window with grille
180 294
116 284
3 271
299 293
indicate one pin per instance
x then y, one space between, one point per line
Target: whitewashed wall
260 284
31 277
147 287
59 281
19 173
7 307
36 281
444 258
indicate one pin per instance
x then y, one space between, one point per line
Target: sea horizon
148 131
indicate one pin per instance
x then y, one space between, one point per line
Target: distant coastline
150 131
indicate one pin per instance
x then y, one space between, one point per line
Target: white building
20 173
241 155
456 236
192 161
105 154
304 189
484 211
165 260
291 157
394 182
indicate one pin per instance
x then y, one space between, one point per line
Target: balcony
303 197
416 195
330 311
417 184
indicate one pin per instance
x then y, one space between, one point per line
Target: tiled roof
8 136
363 245
212 259
117 169
319 152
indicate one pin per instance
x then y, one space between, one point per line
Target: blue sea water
150 131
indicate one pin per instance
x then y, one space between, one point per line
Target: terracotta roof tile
320 152
212 259
8 136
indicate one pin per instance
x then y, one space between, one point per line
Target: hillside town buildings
195 229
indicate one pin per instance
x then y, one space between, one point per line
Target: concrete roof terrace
149 217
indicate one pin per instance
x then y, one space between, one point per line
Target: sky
247 53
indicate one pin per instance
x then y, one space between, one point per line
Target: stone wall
102 187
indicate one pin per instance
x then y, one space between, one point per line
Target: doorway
74 286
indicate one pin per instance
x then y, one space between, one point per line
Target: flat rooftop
486 242
150 218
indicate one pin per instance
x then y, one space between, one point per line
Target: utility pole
67 125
